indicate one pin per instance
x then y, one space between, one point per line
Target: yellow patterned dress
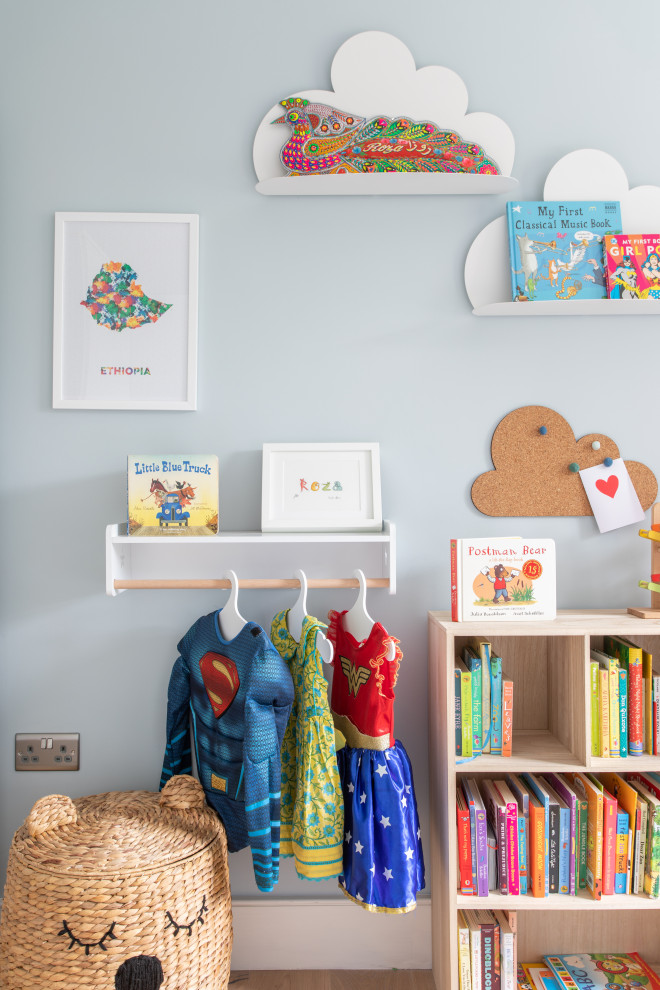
312 807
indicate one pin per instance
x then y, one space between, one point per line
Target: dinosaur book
556 249
173 495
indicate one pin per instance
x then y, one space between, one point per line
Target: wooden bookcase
548 661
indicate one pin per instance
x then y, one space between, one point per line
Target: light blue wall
320 319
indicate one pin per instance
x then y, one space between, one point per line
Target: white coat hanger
296 618
230 619
298 610
357 620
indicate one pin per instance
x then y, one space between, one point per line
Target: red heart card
608 487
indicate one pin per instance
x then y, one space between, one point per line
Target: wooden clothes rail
244 583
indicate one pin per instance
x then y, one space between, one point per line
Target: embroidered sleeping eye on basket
198 920
127 890
87 945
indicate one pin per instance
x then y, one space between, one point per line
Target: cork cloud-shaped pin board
537 459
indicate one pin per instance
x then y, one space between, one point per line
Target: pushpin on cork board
537 473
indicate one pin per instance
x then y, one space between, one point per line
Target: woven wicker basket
118 891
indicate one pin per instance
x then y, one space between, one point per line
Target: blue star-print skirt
382 861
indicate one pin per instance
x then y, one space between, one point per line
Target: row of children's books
550 833
488 960
566 250
625 700
483 703
487 950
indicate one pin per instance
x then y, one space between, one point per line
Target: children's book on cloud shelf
556 249
502 578
633 266
172 495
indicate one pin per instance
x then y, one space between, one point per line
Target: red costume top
362 697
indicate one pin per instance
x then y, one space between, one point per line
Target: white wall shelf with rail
260 560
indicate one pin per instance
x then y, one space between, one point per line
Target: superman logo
221 681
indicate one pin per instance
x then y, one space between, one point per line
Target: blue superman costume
236 696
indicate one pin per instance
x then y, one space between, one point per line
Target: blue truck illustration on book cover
556 248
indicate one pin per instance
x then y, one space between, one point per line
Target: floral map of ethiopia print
116 301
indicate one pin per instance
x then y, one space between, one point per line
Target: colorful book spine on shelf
466 707
582 841
570 799
543 798
490 960
522 852
604 711
464 969
626 797
475 949
596 971
478 825
595 711
631 658
609 834
522 795
464 844
610 664
556 248
647 701
537 846
483 649
654 735
496 706
496 813
623 711
458 725
472 811
512 837
507 950
640 846
491 842
633 266
621 861
472 661
507 715
594 798
648 790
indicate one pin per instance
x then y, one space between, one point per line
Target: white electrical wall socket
48 751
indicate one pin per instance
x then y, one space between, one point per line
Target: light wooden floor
336 979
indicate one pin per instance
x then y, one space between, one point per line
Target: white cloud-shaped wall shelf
374 73
584 174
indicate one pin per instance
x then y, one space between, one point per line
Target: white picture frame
321 488
136 347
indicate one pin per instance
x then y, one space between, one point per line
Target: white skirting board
328 934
